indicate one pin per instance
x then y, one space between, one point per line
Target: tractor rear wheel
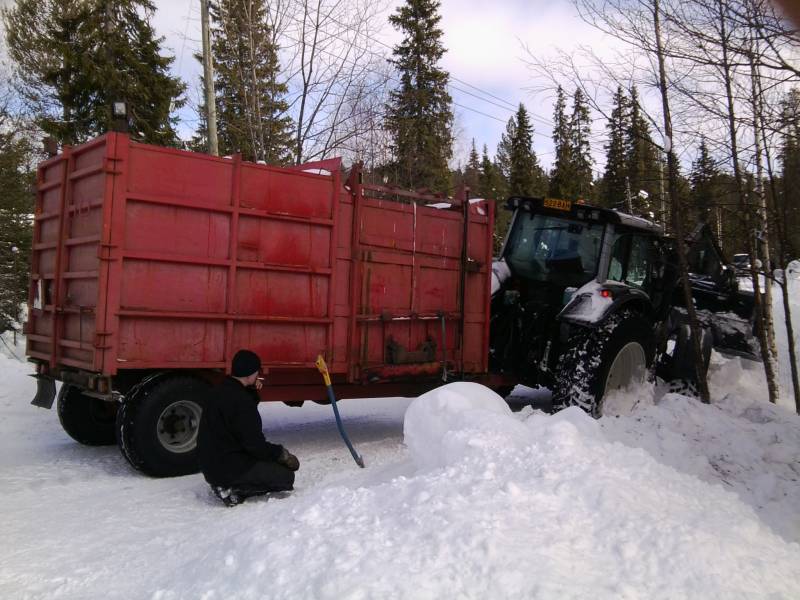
616 355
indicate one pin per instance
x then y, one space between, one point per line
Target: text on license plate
557 204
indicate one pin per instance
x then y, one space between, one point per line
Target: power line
396 80
185 34
506 105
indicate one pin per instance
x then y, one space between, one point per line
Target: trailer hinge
105 250
100 342
109 167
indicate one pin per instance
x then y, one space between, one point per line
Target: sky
485 59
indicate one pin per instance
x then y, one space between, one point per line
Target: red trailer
152 266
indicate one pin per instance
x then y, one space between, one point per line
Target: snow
664 497
440 426
668 499
500 272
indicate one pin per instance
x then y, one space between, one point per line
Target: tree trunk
677 214
758 303
787 311
208 82
763 221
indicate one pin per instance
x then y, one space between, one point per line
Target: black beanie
245 363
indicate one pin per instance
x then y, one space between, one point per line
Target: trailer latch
473 266
45 391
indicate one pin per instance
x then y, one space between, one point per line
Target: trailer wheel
86 420
597 361
157 427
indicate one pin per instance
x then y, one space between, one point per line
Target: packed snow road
667 500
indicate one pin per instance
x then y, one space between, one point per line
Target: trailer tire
585 367
87 420
157 426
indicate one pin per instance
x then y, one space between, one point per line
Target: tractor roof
584 212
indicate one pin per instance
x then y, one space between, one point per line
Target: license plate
557 204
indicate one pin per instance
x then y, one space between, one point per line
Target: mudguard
45 391
593 302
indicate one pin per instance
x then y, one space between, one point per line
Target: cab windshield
553 249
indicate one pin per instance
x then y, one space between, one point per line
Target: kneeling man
236 460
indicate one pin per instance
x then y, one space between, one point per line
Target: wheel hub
177 426
629 368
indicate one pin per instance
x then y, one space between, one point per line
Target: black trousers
265 477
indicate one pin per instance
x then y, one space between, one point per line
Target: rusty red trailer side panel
153 258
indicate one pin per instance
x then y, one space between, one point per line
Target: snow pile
564 513
750 448
456 420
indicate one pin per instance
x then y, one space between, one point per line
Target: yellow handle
323 368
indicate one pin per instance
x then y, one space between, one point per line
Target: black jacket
230 440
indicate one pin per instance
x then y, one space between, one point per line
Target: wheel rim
628 368
177 426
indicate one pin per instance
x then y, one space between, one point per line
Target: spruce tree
614 185
74 59
490 182
562 177
703 180
251 107
16 206
643 159
419 114
580 129
526 177
472 172
494 186
505 149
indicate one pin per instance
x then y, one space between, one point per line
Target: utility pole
208 80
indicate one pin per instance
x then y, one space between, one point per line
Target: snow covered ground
461 498
667 500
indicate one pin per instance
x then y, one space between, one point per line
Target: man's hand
289 460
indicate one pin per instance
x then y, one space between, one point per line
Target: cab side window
639 262
616 268
631 261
